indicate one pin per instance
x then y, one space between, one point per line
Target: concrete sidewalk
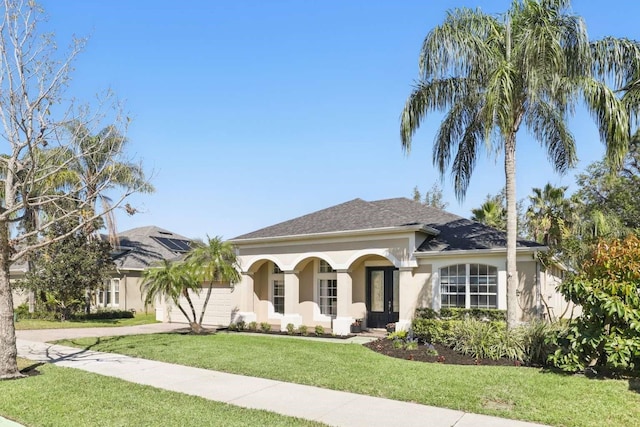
335 408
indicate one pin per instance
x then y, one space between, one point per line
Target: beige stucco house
136 250
379 261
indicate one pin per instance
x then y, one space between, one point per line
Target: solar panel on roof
174 245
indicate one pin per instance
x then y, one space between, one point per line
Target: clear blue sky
249 113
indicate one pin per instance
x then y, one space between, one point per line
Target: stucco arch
307 257
253 261
384 253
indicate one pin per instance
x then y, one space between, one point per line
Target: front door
382 296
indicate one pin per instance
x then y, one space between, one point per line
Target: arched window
469 286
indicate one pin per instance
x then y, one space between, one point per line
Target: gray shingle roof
456 233
140 250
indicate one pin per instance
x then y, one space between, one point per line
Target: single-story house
379 261
135 251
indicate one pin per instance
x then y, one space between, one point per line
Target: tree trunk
8 350
206 302
512 226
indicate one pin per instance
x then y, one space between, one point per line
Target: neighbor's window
109 294
469 286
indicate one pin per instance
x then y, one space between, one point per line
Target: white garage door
218 312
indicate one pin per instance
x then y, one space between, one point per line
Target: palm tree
98 168
171 280
528 67
549 216
213 262
491 213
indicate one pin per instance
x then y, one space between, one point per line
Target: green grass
70 397
139 319
518 393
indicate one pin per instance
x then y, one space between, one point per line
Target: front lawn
71 397
139 319
510 392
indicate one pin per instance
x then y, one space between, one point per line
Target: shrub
398 335
291 328
253 326
426 313
319 330
433 330
538 342
105 314
232 327
606 336
491 314
265 327
476 339
303 329
241 325
22 311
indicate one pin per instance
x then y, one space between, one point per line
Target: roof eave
525 249
367 231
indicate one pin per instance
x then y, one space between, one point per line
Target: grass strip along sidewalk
71 397
510 392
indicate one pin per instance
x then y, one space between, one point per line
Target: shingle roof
140 250
456 233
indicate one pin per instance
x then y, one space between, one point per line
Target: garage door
218 311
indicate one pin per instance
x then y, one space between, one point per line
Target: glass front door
382 296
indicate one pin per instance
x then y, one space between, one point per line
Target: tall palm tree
214 262
528 67
98 167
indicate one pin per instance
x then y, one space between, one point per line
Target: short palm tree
214 262
526 68
171 280
208 263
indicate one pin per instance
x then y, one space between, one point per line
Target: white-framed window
469 286
326 290
278 296
276 291
109 294
328 297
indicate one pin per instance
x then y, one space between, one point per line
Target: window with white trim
469 286
109 294
276 280
278 296
327 289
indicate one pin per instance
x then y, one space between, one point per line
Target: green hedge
106 314
462 313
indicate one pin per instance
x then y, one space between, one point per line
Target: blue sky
251 112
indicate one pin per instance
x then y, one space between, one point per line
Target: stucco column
408 298
342 323
246 311
291 300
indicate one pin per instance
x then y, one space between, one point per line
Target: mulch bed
445 354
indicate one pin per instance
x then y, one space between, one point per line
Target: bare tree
38 151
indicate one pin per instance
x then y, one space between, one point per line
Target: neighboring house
379 261
137 250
